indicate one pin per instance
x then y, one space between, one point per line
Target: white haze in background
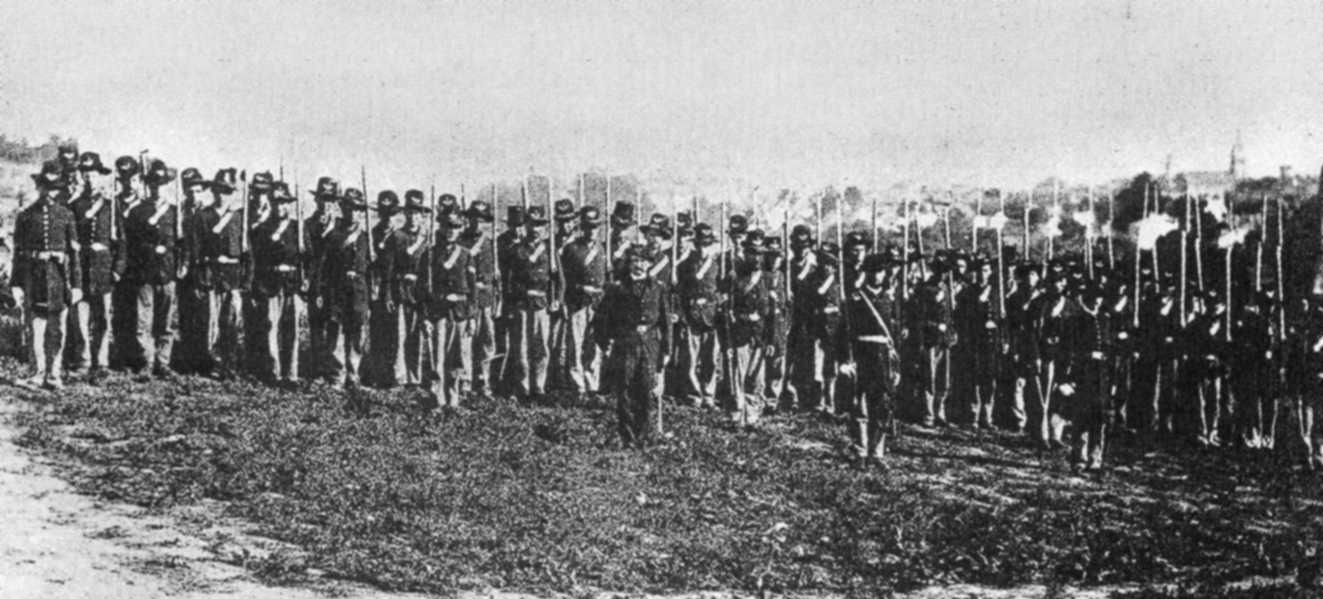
708 97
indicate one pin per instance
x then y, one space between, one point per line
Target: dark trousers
632 362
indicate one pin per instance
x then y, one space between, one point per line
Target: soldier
1161 320
980 333
1021 324
746 334
68 157
220 272
822 297
279 264
191 355
634 321
317 228
261 207
452 281
404 294
343 277
97 224
801 354
152 268
1054 335
530 296
124 350
873 308
778 321
1255 335
1086 394
485 293
45 282
698 278
583 262
622 237
384 366
657 241
506 243
563 217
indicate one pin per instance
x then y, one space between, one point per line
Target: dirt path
58 543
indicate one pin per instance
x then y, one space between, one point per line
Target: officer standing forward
45 281
634 321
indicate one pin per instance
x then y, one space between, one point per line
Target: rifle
610 256
840 287
497 282
243 237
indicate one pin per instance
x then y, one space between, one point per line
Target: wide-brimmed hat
263 181
387 202
481 211
127 166
158 174
564 210
414 202
659 224
280 193
191 177
537 216
327 188
353 200
703 234
801 236
50 175
590 217
829 253
225 181
738 224
91 161
515 216
447 201
754 237
623 214
855 239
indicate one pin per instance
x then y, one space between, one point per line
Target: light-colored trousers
93 314
699 363
225 329
448 345
157 320
581 358
46 347
528 347
283 312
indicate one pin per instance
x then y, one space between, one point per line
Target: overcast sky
778 93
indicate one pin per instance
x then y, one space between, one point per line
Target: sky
695 96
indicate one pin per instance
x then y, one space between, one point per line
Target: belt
642 328
284 268
455 297
160 249
55 255
830 310
591 288
536 293
97 246
352 274
882 339
481 285
409 277
749 317
700 301
223 260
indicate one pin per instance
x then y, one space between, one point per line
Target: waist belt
160 249
700 301
55 255
882 339
642 328
591 288
455 297
97 246
749 317
224 260
352 274
284 268
830 310
481 285
536 293
409 277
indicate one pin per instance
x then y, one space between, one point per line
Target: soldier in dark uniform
634 321
1161 321
506 243
1255 335
1307 374
1085 394
622 237
98 240
279 264
657 234
750 304
778 321
822 300
220 272
150 237
801 356
698 277
1054 333
530 293
124 350
404 270
563 217
192 353
485 293
261 208
45 280
384 364
873 307
452 285
931 334
343 277
1022 325
317 228
980 331
583 262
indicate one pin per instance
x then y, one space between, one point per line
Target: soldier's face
638 268
450 234
411 218
857 253
284 209
1033 278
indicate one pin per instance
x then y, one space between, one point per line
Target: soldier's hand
114 276
304 287
846 369
317 302
75 295
183 271
554 307
17 292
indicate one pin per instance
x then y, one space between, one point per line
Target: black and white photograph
683 299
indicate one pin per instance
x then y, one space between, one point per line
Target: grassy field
541 498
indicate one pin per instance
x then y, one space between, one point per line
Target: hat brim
99 169
423 209
590 224
157 178
481 216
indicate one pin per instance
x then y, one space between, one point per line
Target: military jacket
150 243
583 261
278 267
216 248
479 246
698 277
451 275
750 305
634 311
531 275
45 251
344 272
403 265
100 253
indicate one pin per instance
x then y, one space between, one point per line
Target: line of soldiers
742 319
